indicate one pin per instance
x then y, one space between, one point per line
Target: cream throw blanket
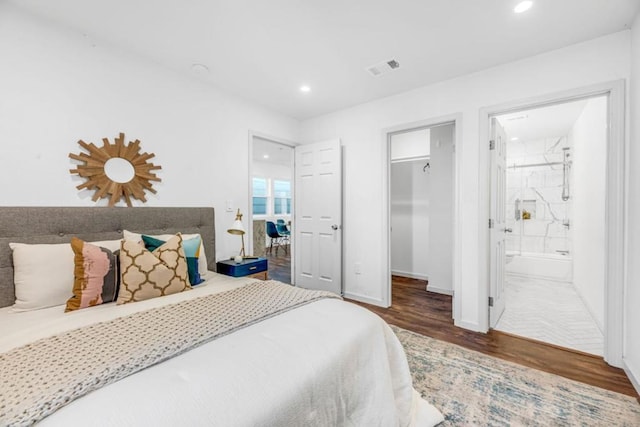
41 377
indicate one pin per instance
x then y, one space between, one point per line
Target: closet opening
421 214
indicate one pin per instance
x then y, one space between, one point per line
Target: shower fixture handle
507 230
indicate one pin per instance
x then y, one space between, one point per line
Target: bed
322 362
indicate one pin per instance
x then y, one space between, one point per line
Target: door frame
249 233
456 120
614 204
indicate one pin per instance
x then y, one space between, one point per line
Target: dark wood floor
429 314
280 264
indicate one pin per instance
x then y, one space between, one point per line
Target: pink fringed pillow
96 275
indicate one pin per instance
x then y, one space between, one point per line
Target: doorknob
334 227
508 230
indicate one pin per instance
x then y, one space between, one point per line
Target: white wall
360 128
632 298
410 211
408 145
58 88
588 139
440 261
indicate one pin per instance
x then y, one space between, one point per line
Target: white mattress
326 363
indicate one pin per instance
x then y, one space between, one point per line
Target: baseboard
468 325
437 290
365 299
631 372
409 275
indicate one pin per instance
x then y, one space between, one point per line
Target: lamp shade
236 228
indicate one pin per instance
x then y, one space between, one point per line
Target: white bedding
326 363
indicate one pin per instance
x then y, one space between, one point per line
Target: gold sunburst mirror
116 171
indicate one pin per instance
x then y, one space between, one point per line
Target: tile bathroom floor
549 311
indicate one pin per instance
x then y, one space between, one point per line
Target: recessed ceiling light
523 6
200 69
266 156
515 138
305 88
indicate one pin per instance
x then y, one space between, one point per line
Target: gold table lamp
238 229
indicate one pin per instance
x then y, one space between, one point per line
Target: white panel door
497 221
318 216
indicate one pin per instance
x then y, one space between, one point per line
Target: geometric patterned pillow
96 276
145 274
191 253
202 256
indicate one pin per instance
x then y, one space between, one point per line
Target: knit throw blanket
41 377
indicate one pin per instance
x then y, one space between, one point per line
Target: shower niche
525 209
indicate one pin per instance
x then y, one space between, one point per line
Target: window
281 197
271 196
260 196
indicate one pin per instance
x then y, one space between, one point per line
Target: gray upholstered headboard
59 225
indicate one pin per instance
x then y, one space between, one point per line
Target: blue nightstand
257 268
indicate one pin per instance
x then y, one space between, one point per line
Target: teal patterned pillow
191 252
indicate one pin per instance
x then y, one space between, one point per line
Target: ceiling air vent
383 67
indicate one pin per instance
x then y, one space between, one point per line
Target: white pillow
202 259
112 245
43 274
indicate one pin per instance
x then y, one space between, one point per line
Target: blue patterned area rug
472 389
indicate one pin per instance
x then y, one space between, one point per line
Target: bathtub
540 265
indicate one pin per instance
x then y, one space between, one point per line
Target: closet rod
410 159
536 164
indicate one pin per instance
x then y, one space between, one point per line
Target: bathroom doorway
555 169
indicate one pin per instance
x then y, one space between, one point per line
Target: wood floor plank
429 314
279 263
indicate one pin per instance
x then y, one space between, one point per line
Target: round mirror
119 170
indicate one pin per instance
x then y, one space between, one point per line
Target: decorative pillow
146 274
96 273
112 245
191 252
43 273
202 259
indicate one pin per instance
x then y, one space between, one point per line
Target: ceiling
271 152
542 122
264 51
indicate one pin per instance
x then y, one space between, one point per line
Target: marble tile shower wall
535 211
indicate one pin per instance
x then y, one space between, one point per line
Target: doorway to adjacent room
271 190
554 222
584 227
